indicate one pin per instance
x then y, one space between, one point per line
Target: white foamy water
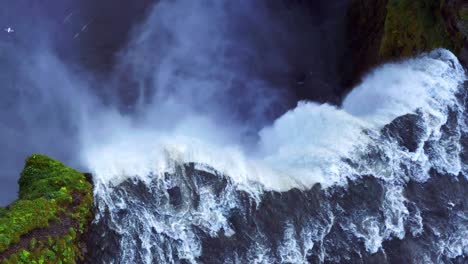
312 143
303 147
428 83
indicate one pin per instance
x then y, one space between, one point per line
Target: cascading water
191 162
368 182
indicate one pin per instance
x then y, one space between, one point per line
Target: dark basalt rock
442 201
406 130
301 210
175 196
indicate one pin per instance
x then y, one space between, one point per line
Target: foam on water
305 146
310 144
392 90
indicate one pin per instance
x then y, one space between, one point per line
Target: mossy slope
415 26
384 30
46 223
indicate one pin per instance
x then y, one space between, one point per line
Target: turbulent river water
382 179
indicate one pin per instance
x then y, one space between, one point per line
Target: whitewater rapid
303 147
165 196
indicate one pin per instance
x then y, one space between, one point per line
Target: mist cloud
217 71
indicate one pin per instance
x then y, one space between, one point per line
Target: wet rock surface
196 214
406 130
327 214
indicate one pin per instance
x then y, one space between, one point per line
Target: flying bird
9 30
83 29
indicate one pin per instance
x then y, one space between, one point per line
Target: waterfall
324 183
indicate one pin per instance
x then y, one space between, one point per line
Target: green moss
45 177
53 250
49 192
2 211
24 216
413 26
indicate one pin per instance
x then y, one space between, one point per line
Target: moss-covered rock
413 26
383 30
47 222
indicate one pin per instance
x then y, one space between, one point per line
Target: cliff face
384 30
364 31
48 221
415 26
